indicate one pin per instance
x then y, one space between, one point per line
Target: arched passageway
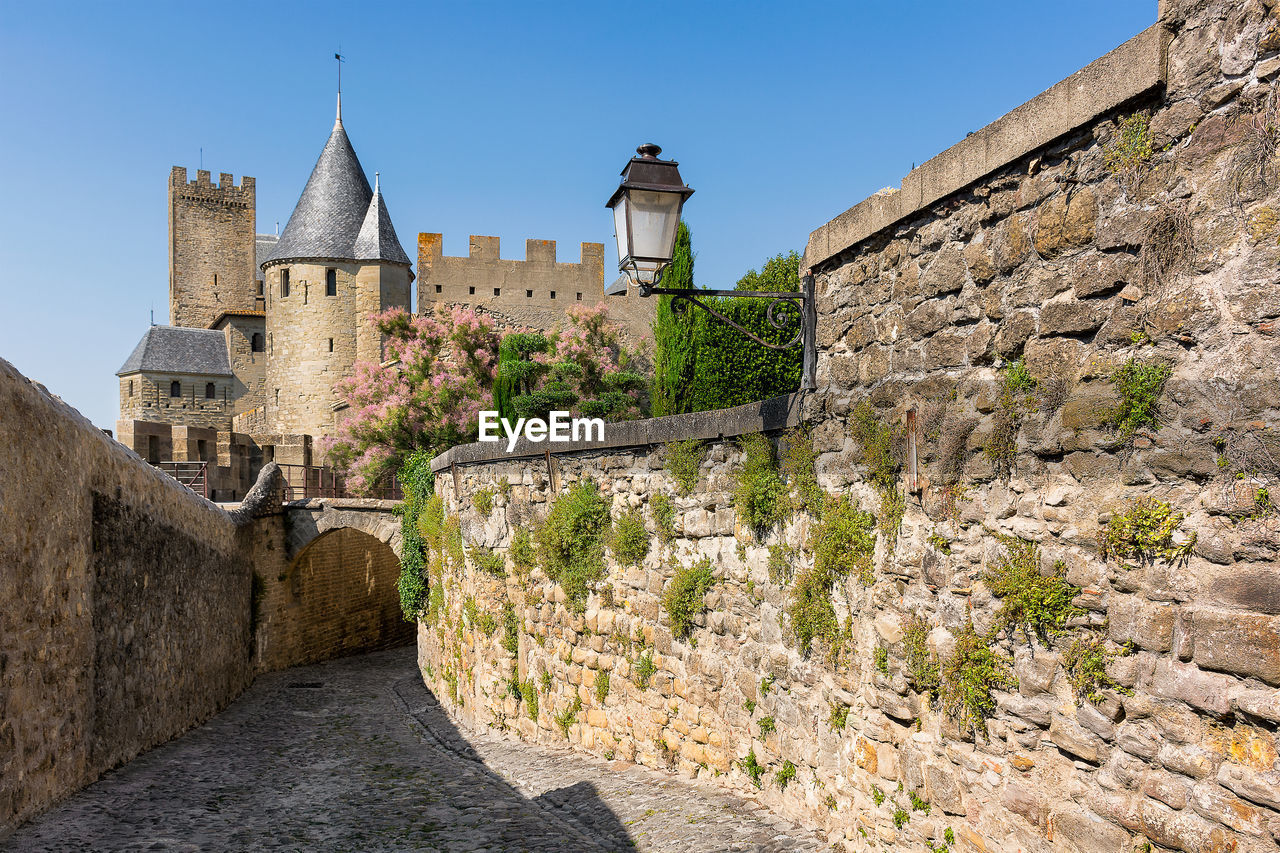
337 597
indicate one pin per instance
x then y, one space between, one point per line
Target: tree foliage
584 368
701 363
426 396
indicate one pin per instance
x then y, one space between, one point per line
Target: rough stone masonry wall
1055 260
126 603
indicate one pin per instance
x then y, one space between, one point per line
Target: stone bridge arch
327 573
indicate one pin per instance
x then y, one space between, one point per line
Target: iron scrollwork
785 310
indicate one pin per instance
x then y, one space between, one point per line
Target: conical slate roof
332 208
377 240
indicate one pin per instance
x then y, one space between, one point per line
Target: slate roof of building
333 205
263 245
377 240
177 349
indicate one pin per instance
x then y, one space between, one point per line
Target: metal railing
302 482
193 475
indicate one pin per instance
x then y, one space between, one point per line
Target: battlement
225 191
534 292
483 248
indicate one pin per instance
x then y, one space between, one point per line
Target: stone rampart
989 356
127 603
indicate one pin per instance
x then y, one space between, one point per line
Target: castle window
255 342
471 290
553 294
330 282
175 389
209 390
439 288
130 387
284 282
330 344
497 291
259 288
528 294
579 297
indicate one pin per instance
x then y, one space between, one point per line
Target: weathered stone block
1071 318
1066 222
1241 643
946 274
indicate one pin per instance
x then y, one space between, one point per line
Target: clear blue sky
510 119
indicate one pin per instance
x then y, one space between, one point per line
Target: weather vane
341 59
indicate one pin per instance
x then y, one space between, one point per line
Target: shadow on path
324 758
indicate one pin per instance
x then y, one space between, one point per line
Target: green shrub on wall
844 544
571 541
629 540
760 498
684 597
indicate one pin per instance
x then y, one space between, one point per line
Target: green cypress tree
673 335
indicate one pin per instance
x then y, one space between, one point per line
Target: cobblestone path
357 755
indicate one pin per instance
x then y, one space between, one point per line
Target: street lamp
646 212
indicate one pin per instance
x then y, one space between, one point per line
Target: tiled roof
377 239
332 208
177 349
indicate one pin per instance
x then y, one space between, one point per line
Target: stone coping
1133 68
772 414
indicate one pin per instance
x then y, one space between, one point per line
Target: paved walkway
357 755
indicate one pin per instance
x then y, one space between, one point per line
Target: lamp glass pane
620 228
654 217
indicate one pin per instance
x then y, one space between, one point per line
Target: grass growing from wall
1139 385
1017 387
683 460
1038 604
760 497
922 664
881 448
1145 532
664 514
602 686
489 562
1086 665
510 629
523 555
571 541
629 541
969 674
483 499
799 473
843 544
684 597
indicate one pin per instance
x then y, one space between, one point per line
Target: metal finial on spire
341 59
375 182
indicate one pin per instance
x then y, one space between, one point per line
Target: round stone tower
337 262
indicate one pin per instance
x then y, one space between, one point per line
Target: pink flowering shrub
438 375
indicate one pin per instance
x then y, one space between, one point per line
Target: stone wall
972 376
211 247
126 600
534 292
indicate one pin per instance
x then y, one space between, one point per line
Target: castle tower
337 262
211 247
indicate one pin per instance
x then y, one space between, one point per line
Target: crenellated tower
211 247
